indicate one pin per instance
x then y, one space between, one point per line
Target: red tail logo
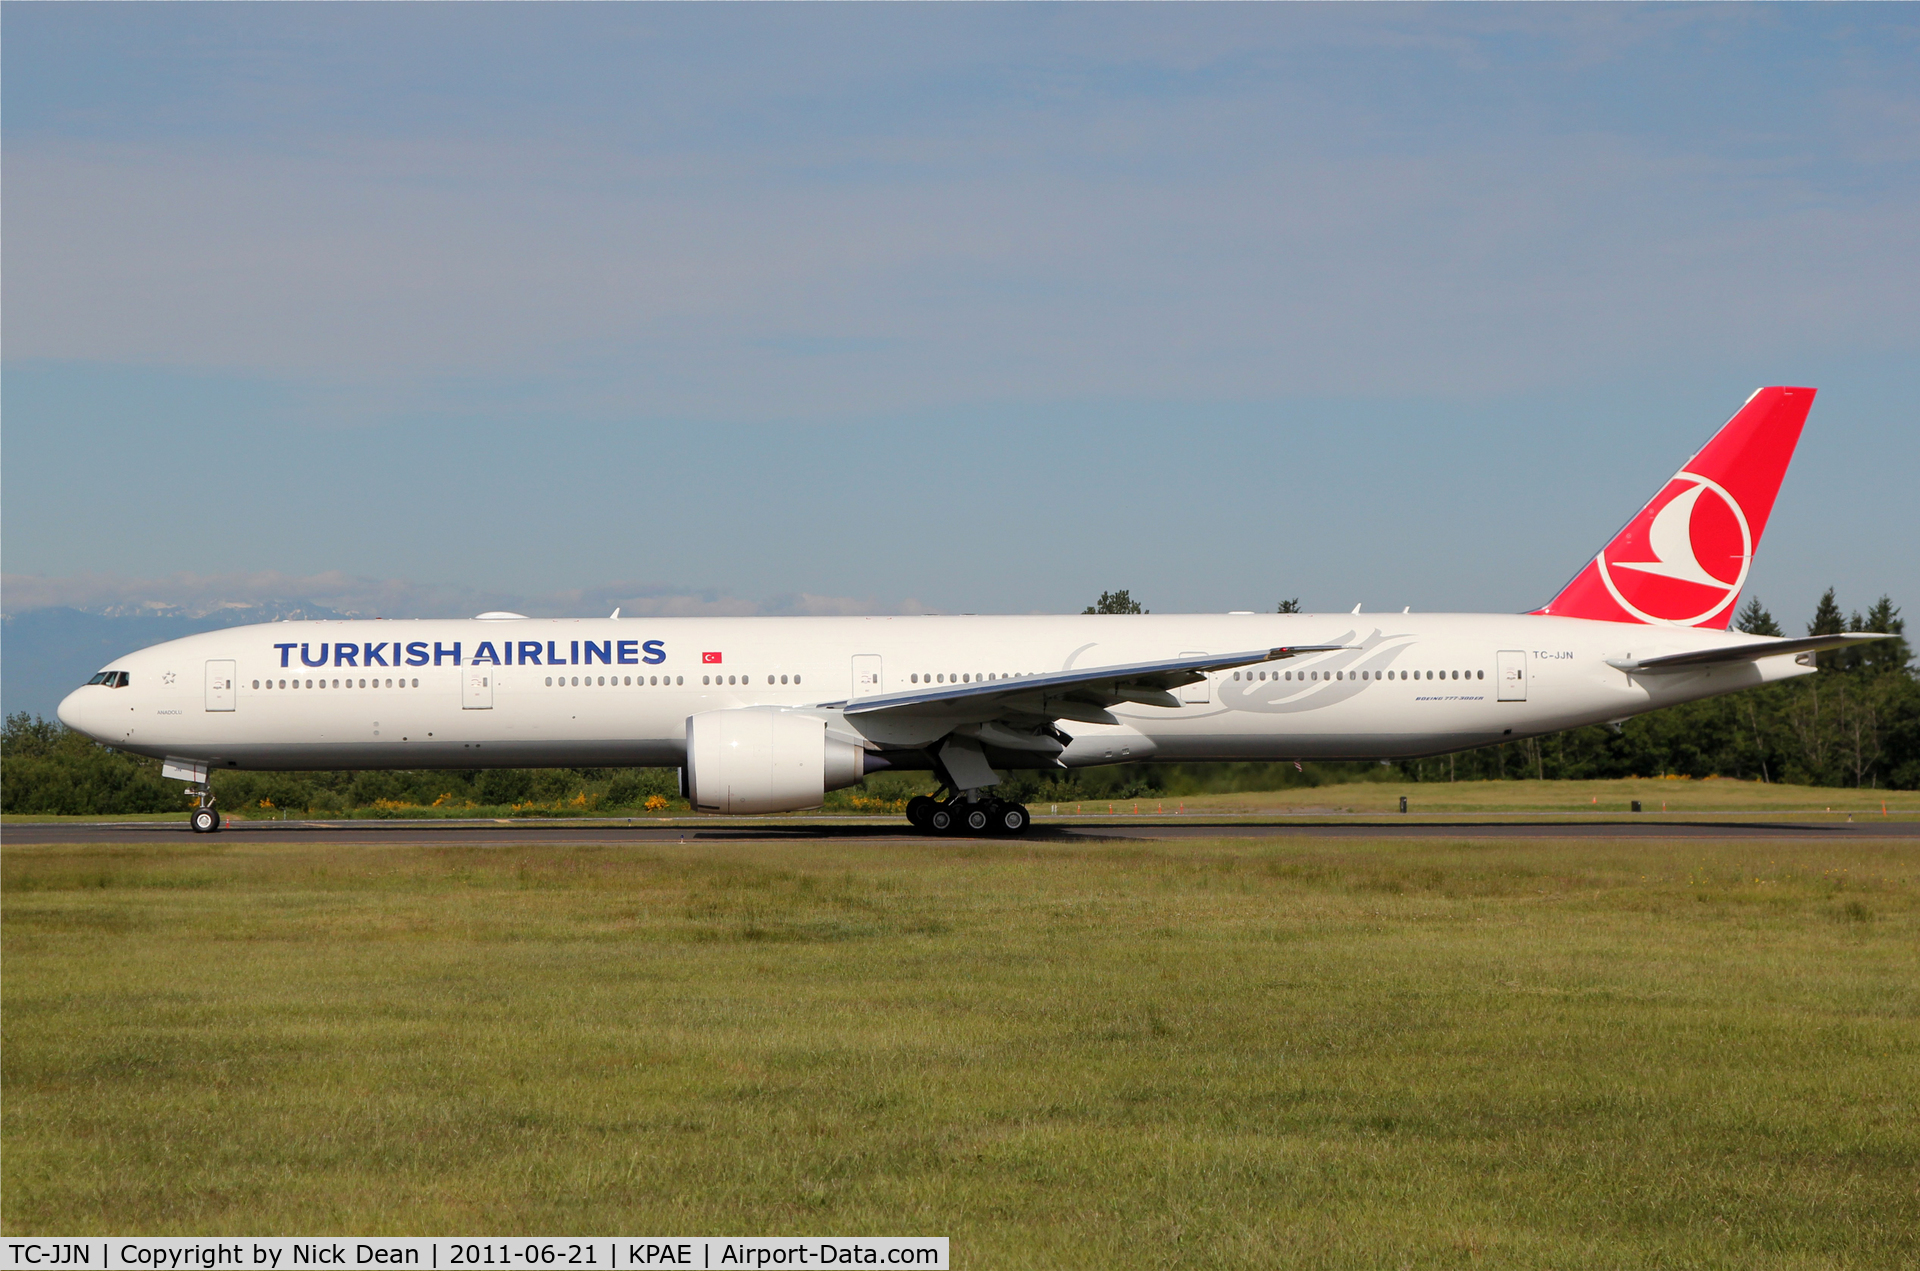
1682 560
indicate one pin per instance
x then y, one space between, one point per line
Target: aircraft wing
1080 694
1741 653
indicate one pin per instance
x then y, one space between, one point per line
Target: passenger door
1197 693
866 675
220 692
476 688
1513 675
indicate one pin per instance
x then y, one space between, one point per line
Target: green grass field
1675 797
1312 1053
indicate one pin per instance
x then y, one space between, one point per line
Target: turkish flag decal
712 659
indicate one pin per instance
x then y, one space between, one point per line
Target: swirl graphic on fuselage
1338 676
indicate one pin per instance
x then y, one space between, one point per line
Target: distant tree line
1856 722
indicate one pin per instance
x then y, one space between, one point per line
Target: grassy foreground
1212 1054
1676 796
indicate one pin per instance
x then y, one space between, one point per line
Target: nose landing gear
968 813
203 818
195 772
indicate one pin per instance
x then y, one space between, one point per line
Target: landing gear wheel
941 819
919 808
975 819
204 821
1011 818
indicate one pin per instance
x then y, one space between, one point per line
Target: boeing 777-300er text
768 714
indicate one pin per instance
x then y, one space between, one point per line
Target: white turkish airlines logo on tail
1669 588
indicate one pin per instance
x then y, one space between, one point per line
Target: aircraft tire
1011 819
919 808
942 820
204 821
976 820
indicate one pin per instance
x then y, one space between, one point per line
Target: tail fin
1681 561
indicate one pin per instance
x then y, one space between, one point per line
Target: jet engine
762 759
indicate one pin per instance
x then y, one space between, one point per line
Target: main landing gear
969 813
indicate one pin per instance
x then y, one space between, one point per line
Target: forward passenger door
220 692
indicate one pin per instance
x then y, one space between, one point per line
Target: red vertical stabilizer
1683 558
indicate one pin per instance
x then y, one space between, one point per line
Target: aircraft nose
81 710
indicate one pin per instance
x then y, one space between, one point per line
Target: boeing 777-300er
768 714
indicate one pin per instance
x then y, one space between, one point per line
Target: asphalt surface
568 834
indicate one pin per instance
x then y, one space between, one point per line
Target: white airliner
767 714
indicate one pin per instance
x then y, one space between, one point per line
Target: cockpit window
109 679
100 677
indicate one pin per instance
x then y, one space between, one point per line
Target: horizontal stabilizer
1741 653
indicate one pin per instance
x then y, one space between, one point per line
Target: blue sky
418 309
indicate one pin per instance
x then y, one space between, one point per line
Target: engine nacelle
762 759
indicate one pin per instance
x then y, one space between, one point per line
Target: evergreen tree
1755 620
1289 606
1827 619
1121 601
1885 655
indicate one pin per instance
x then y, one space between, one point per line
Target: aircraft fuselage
619 692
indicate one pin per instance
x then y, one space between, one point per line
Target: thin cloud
198 595
1255 234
